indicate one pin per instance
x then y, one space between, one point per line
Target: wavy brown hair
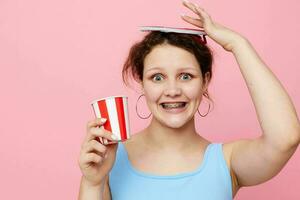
134 64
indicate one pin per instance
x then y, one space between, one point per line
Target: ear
206 81
141 84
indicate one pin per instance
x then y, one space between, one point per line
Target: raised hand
222 35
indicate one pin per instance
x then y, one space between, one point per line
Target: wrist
90 191
91 185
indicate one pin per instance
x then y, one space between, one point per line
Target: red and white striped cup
115 110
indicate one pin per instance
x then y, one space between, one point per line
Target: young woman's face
172 74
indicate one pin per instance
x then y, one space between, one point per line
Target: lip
173 102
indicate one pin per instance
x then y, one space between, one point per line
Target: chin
174 123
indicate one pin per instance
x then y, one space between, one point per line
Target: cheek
152 93
193 91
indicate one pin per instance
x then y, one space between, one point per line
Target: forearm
276 113
88 192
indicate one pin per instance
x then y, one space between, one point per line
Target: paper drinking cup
115 110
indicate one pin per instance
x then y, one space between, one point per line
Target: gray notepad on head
172 29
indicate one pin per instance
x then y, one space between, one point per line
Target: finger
91 157
190 6
196 22
202 12
94 146
98 132
196 9
96 122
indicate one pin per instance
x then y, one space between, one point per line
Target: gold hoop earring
207 111
136 110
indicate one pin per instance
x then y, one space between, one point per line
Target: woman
162 161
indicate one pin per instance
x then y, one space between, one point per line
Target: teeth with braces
173 105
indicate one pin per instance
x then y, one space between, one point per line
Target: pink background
57 56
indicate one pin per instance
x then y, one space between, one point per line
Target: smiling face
172 74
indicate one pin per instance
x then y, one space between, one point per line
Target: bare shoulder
257 160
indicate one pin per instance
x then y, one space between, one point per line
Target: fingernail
186 1
103 120
182 15
113 137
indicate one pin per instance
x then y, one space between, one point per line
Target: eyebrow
180 69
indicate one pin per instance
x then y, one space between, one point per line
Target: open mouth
172 106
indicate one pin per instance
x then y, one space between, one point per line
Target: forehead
169 57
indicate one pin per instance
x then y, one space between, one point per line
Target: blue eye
187 75
156 75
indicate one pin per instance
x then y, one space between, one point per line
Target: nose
172 89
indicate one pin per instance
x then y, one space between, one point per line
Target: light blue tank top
210 181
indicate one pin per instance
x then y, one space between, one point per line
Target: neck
168 138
